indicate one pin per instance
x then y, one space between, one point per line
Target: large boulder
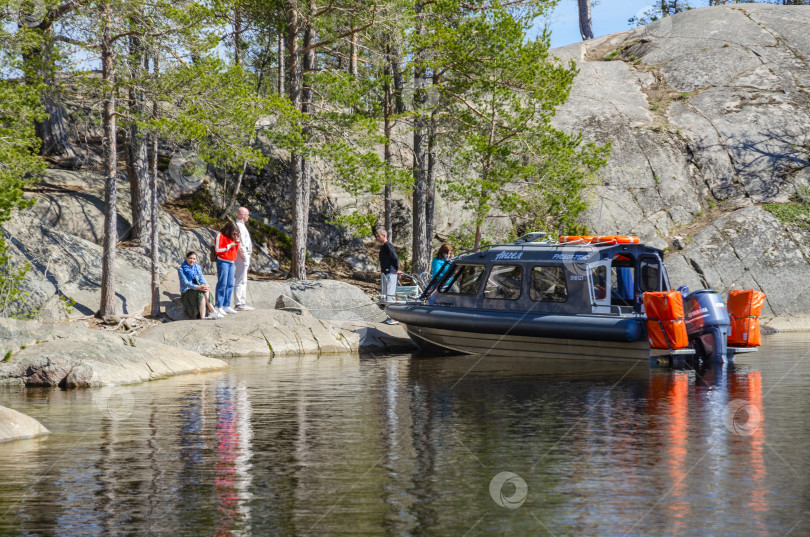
362 262
277 332
706 112
749 249
325 299
17 426
64 265
81 358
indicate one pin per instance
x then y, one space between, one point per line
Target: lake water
403 445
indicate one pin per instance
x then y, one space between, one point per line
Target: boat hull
437 339
501 333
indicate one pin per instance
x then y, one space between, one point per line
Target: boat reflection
408 446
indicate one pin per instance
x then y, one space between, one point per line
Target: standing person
227 247
242 260
194 290
389 266
440 263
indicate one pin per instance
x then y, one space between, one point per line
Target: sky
609 17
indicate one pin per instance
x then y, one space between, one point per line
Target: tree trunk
430 184
110 161
399 79
154 246
388 106
237 36
280 63
430 203
136 150
298 266
420 260
585 21
300 247
353 54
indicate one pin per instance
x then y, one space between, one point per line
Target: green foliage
464 238
802 193
260 232
202 209
504 90
612 54
360 224
791 213
213 108
20 165
12 299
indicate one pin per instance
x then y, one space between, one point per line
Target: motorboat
572 296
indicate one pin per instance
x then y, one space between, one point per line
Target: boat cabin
601 277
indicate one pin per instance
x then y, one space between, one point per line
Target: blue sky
609 16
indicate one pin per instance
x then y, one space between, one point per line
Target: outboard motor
707 324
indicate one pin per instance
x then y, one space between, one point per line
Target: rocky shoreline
71 355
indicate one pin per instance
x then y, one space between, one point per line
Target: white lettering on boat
509 255
575 277
698 312
571 257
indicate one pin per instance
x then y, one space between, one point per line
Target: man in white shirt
242 260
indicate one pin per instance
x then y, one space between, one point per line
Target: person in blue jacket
195 291
441 262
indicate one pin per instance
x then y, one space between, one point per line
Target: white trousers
389 286
240 285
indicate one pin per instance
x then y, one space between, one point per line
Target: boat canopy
603 275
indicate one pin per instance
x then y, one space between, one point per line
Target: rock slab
277 332
329 300
17 426
82 358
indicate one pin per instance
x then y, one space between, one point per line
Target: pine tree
504 90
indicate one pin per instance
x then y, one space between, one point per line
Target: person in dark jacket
389 266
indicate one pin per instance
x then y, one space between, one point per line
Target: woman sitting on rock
226 246
194 290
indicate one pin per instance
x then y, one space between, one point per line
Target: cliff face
708 112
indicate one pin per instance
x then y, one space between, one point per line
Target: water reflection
408 446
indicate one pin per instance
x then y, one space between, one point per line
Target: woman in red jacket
227 246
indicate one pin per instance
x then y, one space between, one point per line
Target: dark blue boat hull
558 326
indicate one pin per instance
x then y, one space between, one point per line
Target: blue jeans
225 276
